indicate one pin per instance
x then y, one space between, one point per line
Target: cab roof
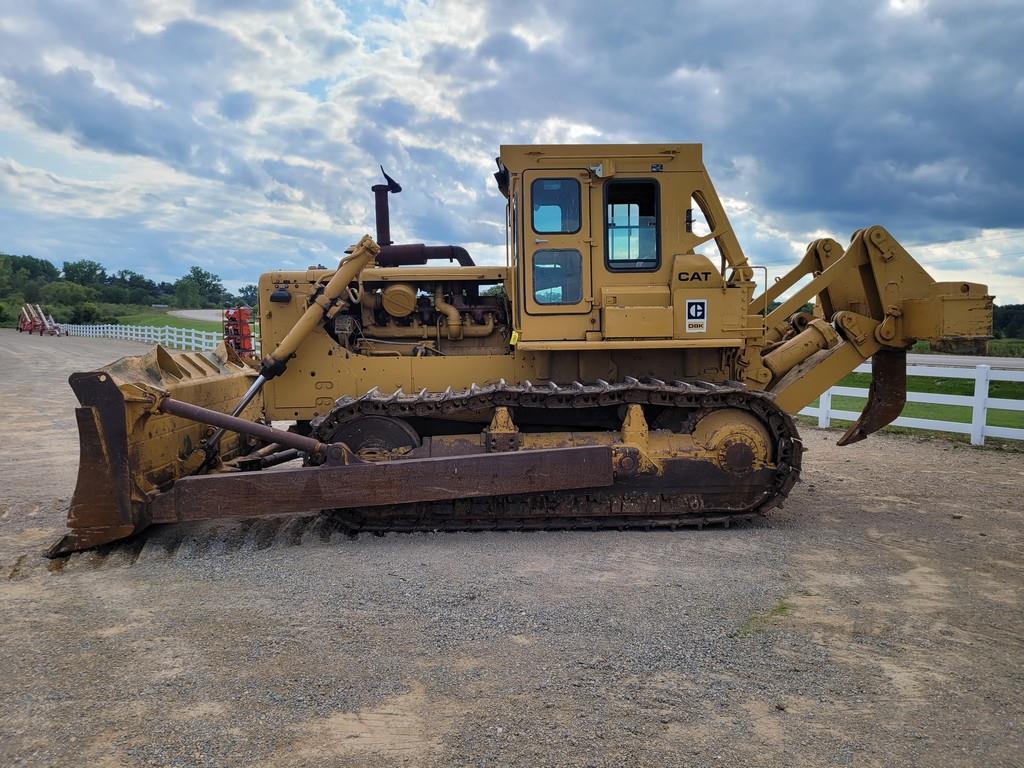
632 157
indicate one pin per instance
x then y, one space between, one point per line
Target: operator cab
601 248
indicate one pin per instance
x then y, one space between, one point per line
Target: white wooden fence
188 339
979 402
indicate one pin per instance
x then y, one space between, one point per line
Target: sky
243 135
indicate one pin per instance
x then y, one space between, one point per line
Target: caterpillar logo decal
696 315
692 276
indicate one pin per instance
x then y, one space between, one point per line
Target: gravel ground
875 621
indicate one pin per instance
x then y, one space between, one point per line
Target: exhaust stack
382 209
411 254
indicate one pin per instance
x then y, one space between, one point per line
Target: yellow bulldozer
627 366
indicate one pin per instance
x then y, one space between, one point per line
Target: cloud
274 115
238 105
70 102
248 6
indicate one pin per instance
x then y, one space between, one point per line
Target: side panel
322 372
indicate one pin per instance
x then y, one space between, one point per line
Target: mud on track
876 620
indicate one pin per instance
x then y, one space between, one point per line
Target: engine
422 318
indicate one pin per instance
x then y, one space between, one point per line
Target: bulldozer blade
886 396
101 509
127 452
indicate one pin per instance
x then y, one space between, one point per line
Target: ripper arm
872 300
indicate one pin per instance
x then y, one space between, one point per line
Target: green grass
995 348
160 317
944 386
1006 347
759 622
1010 390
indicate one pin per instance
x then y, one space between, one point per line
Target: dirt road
967 361
875 621
209 315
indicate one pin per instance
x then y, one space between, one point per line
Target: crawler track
714 502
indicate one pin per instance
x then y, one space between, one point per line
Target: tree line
1008 322
84 292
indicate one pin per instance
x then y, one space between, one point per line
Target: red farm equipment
33 319
238 331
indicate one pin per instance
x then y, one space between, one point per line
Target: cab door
557 244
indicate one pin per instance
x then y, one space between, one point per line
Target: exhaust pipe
415 254
382 209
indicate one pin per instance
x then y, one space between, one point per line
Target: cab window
556 206
631 225
557 276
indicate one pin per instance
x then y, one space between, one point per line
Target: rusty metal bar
243 426
267 449
214 442
280 457
307 489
